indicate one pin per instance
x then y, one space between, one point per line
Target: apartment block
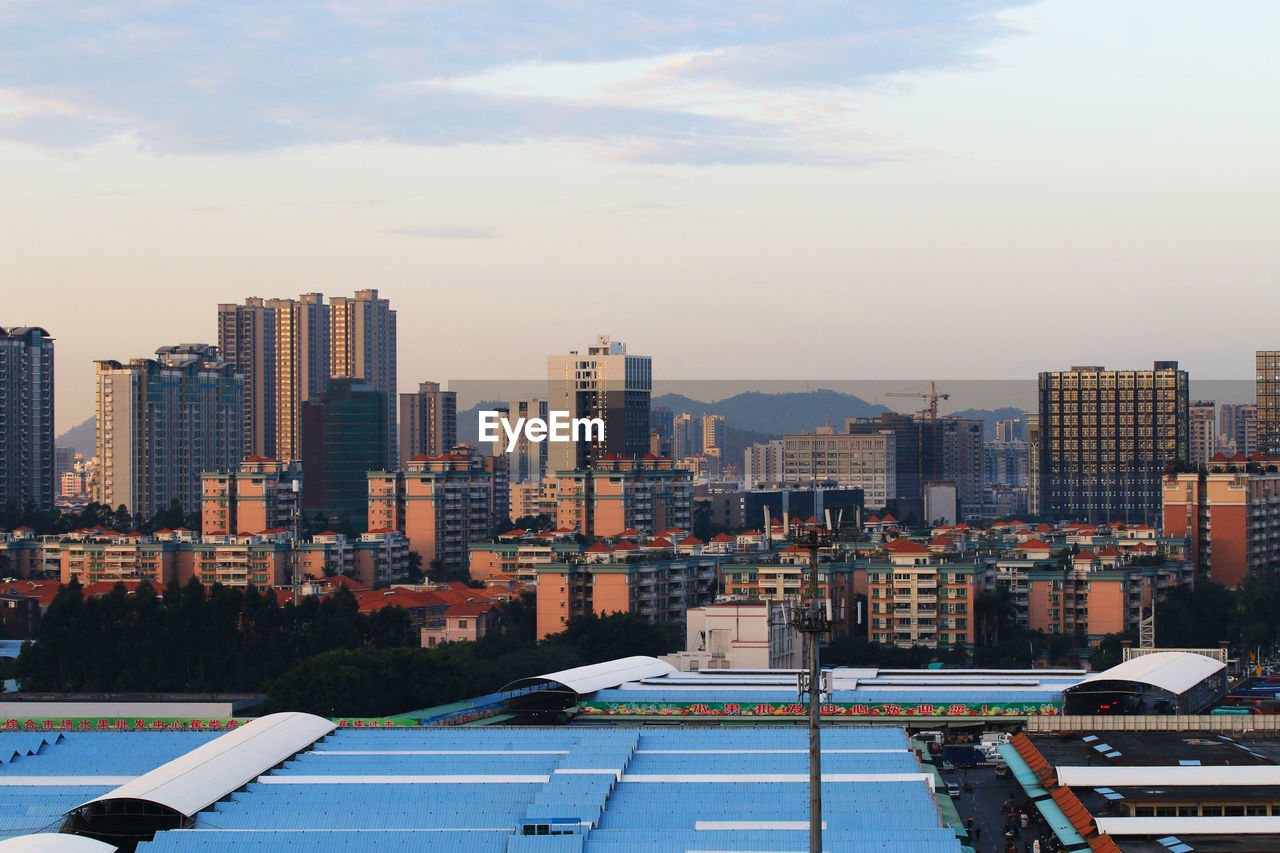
532 499
918 598
261 494
1202 428
27 471
620 493
762 463
1107 437
1230 515
839 584
442 504
519 559
163 421
607 383
659 590
861 461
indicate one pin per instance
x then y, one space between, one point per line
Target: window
1144 811
1208 811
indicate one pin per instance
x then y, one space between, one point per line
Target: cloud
448 232
243 76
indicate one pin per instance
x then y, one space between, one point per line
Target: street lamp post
809 615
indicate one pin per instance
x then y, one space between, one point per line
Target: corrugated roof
1176 672
208 773
1169 775
1190 825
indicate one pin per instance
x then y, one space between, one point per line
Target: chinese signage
833 709
83 724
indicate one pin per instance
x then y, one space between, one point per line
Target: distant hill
777 414
82 438
990 416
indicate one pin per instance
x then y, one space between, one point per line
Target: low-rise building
740 635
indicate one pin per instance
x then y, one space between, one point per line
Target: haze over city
866 191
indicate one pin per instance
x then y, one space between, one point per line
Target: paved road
984 804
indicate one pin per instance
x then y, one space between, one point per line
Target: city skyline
963 167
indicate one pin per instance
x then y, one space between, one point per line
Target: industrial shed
1158 683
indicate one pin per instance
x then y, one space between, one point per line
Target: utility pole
810 615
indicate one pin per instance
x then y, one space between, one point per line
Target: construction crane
933 397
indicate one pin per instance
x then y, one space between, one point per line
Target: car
946 766
1003 771
953 790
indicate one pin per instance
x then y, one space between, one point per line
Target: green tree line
320 655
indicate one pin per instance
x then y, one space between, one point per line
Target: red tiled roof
1084 556
875 519
598 547
1032 545
342 580
691 540
256 458
723 537
626 545
941 541
909 547
889 519
473 608
660 542
1109 551
630 531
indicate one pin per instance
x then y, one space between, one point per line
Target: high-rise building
1107 437
1012 429
362 341
1202 428
1238 429
287 349
603 383
1006 463
686 436
527 460
26 417
1268 400
713 433
344 438
163 421
762 463
861 461
428 421
1033 463
247 339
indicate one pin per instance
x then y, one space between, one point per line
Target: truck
963 754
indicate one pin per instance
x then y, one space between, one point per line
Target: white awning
1176 672
208 773
1189 825
600 676
54 842
1163 776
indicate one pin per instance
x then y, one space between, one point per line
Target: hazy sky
757 189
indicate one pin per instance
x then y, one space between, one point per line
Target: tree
1258 598
1197 618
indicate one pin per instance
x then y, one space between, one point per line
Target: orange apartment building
618 493
1230 517
441 503
656 589
262 494
1090 595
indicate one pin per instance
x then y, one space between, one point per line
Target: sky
760 190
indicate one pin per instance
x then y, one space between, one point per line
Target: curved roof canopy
54 842
599 676
1176 672
208 773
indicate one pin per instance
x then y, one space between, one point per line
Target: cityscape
535 429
